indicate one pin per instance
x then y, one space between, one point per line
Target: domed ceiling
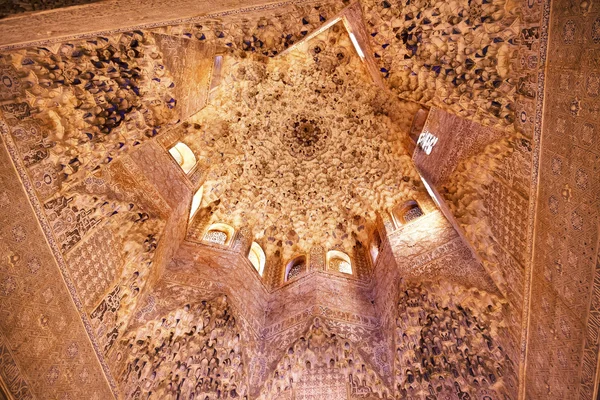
303 148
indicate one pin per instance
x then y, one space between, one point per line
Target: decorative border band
37 207
152 25
533 197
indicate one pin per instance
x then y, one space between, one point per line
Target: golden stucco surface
306 146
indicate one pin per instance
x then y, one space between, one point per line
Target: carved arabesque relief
303 148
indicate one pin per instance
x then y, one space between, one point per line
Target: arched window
219 233
295 267
184 156
257 257
339 262
375 245
196 200
406 212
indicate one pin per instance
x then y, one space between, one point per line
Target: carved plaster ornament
304 148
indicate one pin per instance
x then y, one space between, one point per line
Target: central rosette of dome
305 138
306 133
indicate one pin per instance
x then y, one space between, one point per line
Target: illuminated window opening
295 268
184 156
356 46
339 262
196 200
375 245
430 191
216 75
257 257
219 233
407 212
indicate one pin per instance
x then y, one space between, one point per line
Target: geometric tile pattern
322 383
39 323
191 64
94 265
563 346
508 212
13 377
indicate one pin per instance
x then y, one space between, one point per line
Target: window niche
375 247
406 212
219 234
295 267
257 258
196 200
339 262
184 156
